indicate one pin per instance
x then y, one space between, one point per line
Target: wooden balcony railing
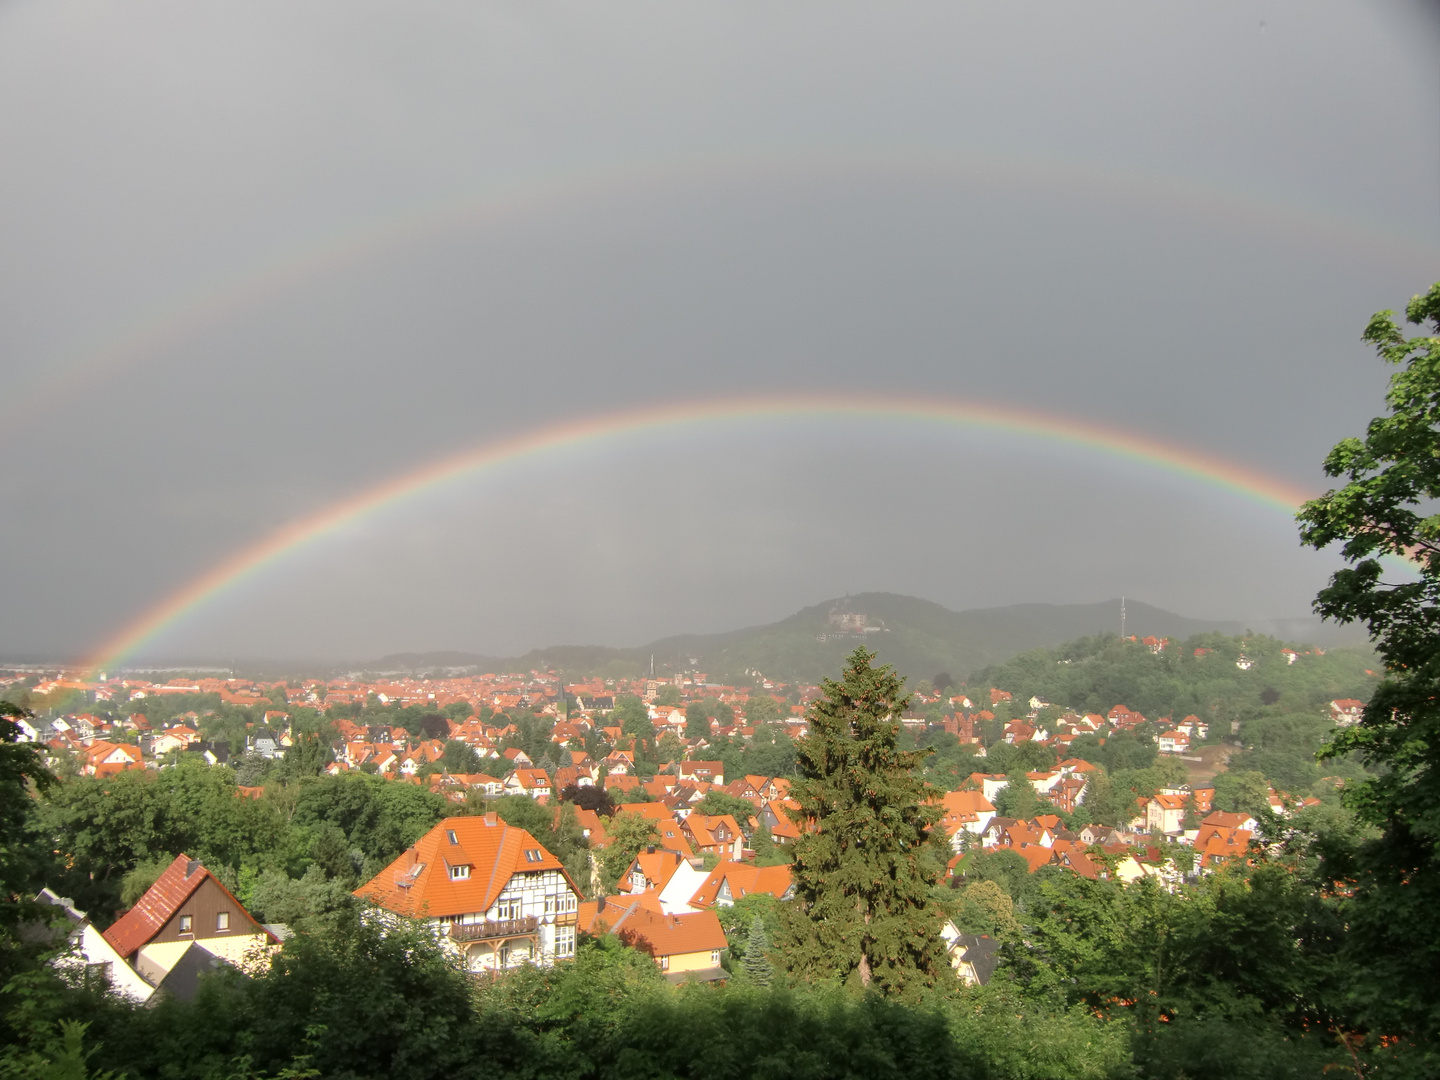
502 929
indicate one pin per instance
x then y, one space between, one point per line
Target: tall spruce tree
757 961
862 910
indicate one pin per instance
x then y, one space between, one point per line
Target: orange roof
653 810
153 910
419 884
657 865
745 879
1035 855
637 924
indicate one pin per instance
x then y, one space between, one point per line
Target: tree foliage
1387 508
862 906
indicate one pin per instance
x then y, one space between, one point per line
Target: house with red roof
1173 742
710 772
672 876
103 758
1164 812
964 813
684 947
714 834
187 906
532 782
731 881
1346 711
492 889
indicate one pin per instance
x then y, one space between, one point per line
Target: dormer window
460 873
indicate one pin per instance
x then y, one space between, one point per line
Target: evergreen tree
862 910
757 965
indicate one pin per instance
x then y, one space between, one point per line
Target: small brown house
186 903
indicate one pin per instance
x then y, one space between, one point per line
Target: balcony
482 931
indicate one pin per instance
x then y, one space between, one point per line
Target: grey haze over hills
919 637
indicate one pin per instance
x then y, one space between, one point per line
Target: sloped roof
637 924
419 884
153 910
657 864
745 879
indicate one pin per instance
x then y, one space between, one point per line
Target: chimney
490 818
650 849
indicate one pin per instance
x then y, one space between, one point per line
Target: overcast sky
256 258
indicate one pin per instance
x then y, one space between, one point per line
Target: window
715 956
459 873
185 921
562 902
565 941
451 834
533 855
507 909
222 921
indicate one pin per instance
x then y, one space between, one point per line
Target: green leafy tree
771 752
718 802
307 755
669 748
1242 791
668 695
459 757
629 835
1387 508
21 771
1017 799
698 715
761 708
862 908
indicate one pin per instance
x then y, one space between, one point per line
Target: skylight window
533 855
451 834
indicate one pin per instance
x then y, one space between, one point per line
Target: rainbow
174 318
657 419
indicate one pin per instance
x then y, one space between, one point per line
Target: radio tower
1122 618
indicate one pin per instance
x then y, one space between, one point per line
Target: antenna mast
1122 618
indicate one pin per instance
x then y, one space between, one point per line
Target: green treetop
757 964
862 910
1388 507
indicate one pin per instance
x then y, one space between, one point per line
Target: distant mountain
920 638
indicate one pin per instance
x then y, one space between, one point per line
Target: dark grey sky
1172 220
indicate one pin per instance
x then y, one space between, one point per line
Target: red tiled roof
745 879
418 883
638 925
171 889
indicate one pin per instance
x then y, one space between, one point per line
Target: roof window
451 834
533 855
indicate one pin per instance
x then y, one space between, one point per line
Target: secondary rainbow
571 435
565 185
